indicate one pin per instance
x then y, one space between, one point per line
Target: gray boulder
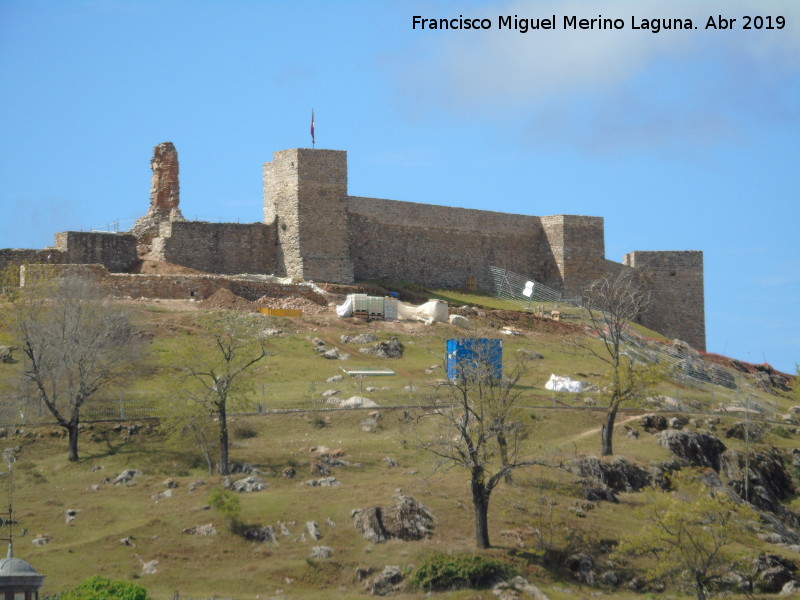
321 552
405 520
126 476
386 582
249 484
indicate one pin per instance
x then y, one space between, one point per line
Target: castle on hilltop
314 230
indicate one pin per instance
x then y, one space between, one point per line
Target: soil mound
225 299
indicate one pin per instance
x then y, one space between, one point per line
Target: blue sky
681 140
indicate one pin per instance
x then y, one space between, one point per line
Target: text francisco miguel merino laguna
524 25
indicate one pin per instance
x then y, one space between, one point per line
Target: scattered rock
598 492
745 431
70 514
582 566
258 533
370 425
284 527
288 472
697 449
389 462
353 402
165 494
170 483
313 530
460 321
321 552
329 393
529 354
6 354
207 529
516 588
127 541
195 484
406 520
41 539
334 379
790 588
363 572
363 338
609 578
676 422
249 484
332 354
126 476
392 349
149 568
324 482
386 582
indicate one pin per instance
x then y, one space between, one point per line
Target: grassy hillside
535 523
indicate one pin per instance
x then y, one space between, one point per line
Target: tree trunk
699 588
480 501
72 447
224 468
502 443
607 430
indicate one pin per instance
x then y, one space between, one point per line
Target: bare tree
237 347
478 430
73 341
613 303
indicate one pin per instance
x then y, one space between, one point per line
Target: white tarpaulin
563 384
345 309
433 311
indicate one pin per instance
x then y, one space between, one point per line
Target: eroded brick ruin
314 230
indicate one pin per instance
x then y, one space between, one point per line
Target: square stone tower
305 198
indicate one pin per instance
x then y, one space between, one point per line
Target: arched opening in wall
672 273
191 296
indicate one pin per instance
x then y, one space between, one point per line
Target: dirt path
596 430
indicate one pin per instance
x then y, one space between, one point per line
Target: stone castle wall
314 230
227 248
115 251
443 246
170 287
676 280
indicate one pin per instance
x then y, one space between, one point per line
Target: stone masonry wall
305 195
115 251
678 308
578 247
217 247
17 257
442 245
174 287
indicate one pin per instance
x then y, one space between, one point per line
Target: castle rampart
228 248
313 230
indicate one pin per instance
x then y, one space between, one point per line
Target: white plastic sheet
563 384
345 309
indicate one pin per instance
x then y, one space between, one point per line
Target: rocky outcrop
617 474
164 194
773 572
764 482
392 349
405 520
697 449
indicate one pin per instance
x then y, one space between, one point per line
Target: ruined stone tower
305 198
164 195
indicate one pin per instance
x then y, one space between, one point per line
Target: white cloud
617 86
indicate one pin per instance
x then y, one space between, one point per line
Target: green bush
227 504
100 588
445 572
